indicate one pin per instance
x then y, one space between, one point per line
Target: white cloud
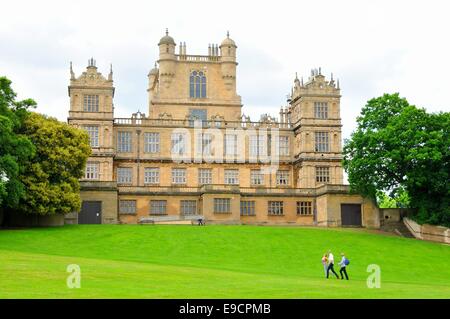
372 47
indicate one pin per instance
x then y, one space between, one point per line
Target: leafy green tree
398 200
398 146
15 149
51 176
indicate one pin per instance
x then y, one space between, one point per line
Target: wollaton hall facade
196 154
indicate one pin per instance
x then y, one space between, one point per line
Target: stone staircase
398 228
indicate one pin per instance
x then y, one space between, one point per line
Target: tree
51 176
15 149
400 200
399 147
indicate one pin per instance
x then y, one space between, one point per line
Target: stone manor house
195 153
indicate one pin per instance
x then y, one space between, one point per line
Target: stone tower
91 108
182 86
314 111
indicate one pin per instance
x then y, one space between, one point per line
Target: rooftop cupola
228 41
167 39
228 49
166 47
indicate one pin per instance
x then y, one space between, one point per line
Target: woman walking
325 264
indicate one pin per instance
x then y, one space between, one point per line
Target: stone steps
398 228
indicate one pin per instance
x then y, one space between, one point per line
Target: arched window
197 84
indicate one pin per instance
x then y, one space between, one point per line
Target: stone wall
428 232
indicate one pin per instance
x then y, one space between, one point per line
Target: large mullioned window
259 145
158 207
204 176
322 142
204 143
321 110
222 205
304 208
283 145
231 144
248 208
178 143
151 175
256 177
188 207
275 208
124 175
232 176
282 177
178 176
92 131
127 207
322 174
90 103
197 85
151 142
92 170
124 142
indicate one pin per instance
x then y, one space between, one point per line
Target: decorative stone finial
72 75
91 63
167 31
110 75
228 34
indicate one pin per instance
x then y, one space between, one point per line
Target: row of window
221 206
159 207
231 176
258 144
179 175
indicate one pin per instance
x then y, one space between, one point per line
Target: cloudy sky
371 46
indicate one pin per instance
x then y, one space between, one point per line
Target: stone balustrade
198 58
149 122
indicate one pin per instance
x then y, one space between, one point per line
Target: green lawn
175 261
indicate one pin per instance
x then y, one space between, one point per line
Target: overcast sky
371 46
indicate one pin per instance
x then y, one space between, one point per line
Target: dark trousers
343 270
331 268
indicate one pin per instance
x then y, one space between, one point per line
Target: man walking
344 262
331 265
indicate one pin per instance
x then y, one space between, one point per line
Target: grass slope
132 261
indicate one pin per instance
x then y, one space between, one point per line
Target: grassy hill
174 261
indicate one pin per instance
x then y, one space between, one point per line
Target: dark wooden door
351 215
91 213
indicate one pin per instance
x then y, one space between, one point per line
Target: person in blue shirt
343 263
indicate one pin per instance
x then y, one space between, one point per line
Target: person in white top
331 265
